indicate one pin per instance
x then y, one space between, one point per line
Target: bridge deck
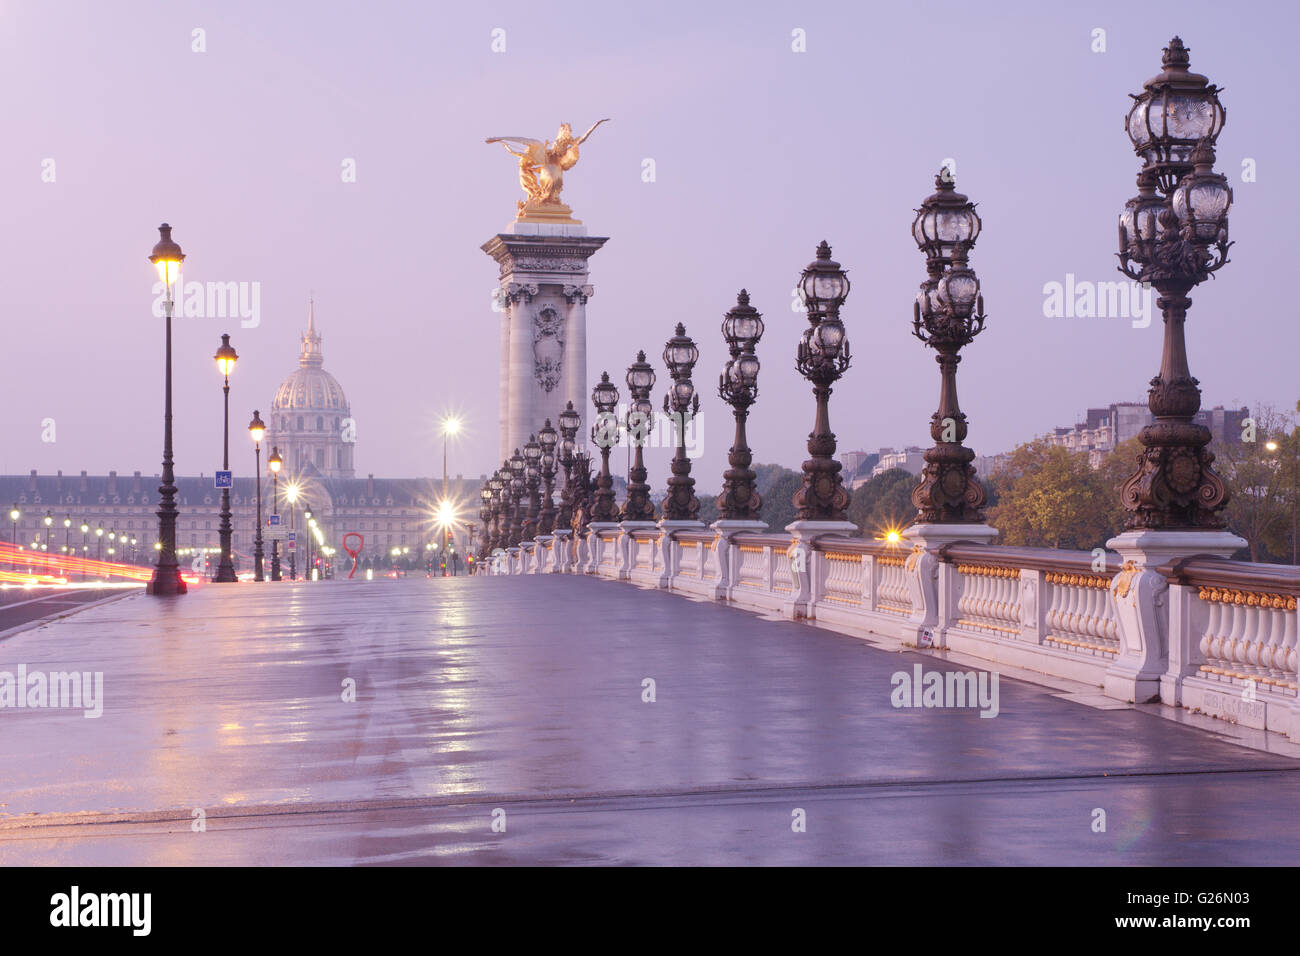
525 694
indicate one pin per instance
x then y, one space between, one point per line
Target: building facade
310 423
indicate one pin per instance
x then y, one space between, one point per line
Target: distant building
387 512
1104 428
857 466
910 460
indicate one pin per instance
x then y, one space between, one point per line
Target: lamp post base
166 581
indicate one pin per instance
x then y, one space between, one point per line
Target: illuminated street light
167 258
273 462
257 431
226 358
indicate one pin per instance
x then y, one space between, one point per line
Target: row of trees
1048 496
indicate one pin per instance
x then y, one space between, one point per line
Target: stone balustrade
1214 636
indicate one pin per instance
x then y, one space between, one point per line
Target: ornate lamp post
640 380
532 480
85 530
680 355
167 258
257 431
822 358
517 488
947 315
99 542
14 515
226 358
604 434
742 327
48 521
274 463
67 534
570 422
548 437
1174 235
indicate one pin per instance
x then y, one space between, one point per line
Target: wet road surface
505 720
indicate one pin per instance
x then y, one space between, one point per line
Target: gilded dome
310 387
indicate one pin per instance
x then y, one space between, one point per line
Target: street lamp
822 357
948 313
49 522
680 355
226 358
742 327
640 380
517 466
167 258
14 515
291 496
273 462
450 426
311 531
99 542
570 422
604 434
548 437
532 478
1175 241
67 534
85 529
257 431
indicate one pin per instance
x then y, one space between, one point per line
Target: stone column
543 275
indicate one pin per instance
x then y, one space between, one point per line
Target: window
320 423
320 457
299 423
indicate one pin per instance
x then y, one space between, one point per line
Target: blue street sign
293 536
223 479
273 520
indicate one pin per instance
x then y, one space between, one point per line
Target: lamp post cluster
1174 235
947 315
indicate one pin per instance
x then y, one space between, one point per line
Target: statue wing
583 138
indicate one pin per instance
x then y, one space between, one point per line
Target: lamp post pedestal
803 534
626 528
669 552
564 557
727 529
1141 670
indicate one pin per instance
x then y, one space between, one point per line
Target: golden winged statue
541 170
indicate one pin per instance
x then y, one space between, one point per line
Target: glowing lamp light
256 428
226 356
892 536
451 425
167 256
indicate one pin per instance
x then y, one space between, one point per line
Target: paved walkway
525 695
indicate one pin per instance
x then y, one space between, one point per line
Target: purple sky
760 152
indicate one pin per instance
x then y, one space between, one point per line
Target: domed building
311 422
